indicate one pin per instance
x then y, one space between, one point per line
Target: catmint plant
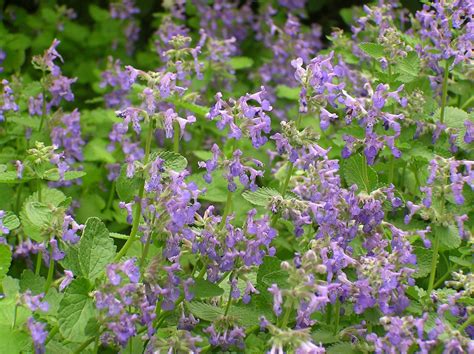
250 177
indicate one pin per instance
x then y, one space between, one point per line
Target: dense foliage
238 183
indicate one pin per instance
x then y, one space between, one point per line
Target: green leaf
192 107
448 236
454 118
31 281
203 155
270 272
408 68
96 151
75 310
13 340
10 287
374 50
173 161
10 221
98 14
53 175
127 188
10 177
324 336
205 311
290 93
261 196
246 315
356 171
5 260
238 63
342 347
36 217
460 261
423 262
204 288
96 249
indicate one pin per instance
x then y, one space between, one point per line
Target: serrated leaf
127 188
205 311
408 68
342 347
290 93
5 260
246 315
374 50
261 196
270 272
448 236
173 161
203 289
454 118
10 221
36 217
96 249
13 340
356 171
75 310
238 63
324 336
423 262
10 177
31 281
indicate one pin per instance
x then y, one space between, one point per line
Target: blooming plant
237 182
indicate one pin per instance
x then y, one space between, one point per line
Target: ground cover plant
242 180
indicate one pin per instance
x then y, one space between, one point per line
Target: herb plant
237 182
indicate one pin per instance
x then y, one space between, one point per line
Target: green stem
445 91
392 169
434 263
14 316
38 263
229 301
286 316
18 197
467 103
145 250
202 271
176 133
43 112
337 310
137 213
40 197
228 203
227 209
111 196
442 279
51 334
84 345
49 279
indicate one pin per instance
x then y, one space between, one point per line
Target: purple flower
38 334
277 299
34 302
68 277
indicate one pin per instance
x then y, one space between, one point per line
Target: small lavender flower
38 334
68 277
34 302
